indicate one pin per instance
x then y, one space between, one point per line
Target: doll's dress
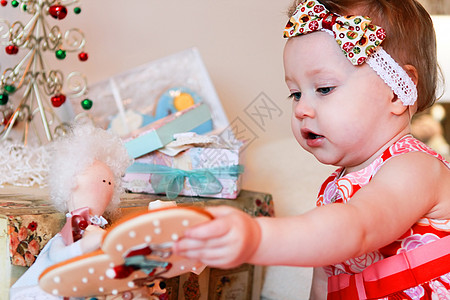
59 248
338 189
26 287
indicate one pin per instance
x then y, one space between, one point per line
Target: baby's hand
92 238
227 241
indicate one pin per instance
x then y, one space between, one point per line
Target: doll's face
94 189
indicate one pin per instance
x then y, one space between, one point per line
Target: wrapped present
196 118
27 223
212 169
153 90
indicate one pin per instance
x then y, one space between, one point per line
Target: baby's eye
295 96
325 90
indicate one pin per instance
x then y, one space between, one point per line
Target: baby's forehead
320 41
318 48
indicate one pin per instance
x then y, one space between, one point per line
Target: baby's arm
378 214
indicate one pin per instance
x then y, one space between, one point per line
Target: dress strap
393 274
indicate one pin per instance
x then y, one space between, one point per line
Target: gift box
153 90
27 223
208 171
196 118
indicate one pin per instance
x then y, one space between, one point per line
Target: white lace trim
394 76
98 220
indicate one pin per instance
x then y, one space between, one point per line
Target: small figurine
86 167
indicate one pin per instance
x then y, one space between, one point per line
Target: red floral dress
340 190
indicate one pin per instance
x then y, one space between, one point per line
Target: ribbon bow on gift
171 181
356 36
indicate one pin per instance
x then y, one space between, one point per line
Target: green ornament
15 3
77 10
10 89
24 7
86 104
60 54
4 98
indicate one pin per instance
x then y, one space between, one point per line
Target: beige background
241 44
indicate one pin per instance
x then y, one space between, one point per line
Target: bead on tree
57 11
86 104
83 56
60 54
11 49
10 88
58 100
4 98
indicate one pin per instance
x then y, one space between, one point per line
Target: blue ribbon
171 180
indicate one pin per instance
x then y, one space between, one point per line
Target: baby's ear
397 105
412 72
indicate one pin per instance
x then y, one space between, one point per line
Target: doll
86 167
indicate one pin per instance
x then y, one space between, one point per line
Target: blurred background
241 45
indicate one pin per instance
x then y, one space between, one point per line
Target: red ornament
58 11
58 100
6 117
12 49
4 2
83 56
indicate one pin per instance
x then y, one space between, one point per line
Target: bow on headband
356 36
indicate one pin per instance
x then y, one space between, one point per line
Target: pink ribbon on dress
67 232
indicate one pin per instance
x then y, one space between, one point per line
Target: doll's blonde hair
410 37
73 153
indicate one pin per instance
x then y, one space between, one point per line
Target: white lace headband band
393 75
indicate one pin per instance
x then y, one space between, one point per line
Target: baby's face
338 110
94 189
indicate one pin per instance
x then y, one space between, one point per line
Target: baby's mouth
309 135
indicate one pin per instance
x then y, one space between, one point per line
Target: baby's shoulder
422 175
417 164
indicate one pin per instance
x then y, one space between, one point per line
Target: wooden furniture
28 221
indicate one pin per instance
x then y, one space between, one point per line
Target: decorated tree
30 91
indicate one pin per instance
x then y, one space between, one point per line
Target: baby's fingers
188 244
212 256
212 229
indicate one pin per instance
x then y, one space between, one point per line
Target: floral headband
359 40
